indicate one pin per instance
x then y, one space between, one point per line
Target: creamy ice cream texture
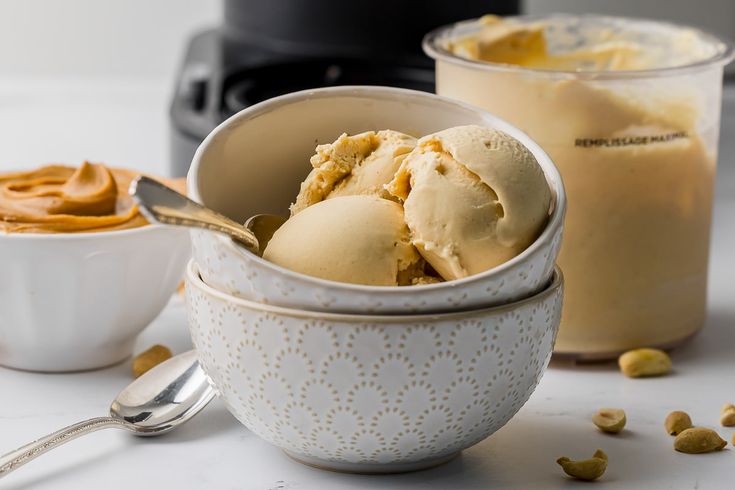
359 239
578 46
638 163
473 198
379 206
354 165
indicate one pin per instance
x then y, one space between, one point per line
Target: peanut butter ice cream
636 151
354 165
378 209
359 239
579 46
473 197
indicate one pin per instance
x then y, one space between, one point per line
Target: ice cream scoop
473 198
360 164
356 239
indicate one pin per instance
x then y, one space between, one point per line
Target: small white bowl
372 394
255 161
77 301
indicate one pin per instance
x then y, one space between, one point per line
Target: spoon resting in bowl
159 401
164 205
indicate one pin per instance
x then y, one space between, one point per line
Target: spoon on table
164 205
159 401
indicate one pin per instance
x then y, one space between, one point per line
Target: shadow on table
713 344
213 421
522 455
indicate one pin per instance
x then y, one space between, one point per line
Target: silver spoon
164 205
162 399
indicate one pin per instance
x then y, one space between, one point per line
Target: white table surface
125 123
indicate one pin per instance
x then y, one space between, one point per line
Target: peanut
698 440
727 415
638 363
587 469
147 360
610 420
676 422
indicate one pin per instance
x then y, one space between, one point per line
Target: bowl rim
551 172
85 235
724 54
193 278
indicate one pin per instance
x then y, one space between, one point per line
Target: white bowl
77 301
372 394
254 162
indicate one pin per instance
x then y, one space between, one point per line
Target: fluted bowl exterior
71 302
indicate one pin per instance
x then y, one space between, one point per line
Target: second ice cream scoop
474 197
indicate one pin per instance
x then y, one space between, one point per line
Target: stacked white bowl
350 377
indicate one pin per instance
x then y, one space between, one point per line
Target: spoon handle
22 455
164 205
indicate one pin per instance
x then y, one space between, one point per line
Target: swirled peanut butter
61 199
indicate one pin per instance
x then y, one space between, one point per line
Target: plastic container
637 153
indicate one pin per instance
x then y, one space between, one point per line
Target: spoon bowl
164 397
263 227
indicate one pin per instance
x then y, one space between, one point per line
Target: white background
134 39
121 39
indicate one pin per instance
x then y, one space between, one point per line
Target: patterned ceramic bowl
372 394
254 162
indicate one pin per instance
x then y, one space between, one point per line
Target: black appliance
266 48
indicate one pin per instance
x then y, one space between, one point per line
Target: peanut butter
62 199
